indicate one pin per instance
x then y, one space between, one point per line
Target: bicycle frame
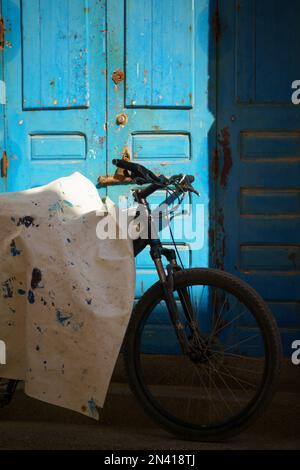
157 251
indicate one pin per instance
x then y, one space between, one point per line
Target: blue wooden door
161 51
71 67
54 70
257 167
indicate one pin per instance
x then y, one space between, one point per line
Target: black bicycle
224 360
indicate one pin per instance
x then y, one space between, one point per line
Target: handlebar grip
124 164
136 169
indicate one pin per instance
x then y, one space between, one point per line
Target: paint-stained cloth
66 296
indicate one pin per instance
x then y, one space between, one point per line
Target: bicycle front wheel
217 390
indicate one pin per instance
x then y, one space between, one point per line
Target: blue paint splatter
58 206
68 203
30 297
93 412
63 319
55 207
13 249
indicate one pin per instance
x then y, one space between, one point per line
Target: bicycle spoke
220 394
224 381
230 322
219 316
249 371
208 394
190 401
241 342
238 380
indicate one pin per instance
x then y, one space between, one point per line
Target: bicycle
221 379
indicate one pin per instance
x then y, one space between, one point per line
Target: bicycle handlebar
142 175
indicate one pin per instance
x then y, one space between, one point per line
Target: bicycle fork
167 282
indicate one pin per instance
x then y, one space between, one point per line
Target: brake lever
185 186
193 190
189 188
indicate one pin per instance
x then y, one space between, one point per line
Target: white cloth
66 296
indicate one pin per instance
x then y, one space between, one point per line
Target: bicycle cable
169 192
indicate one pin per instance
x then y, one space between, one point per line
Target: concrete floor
31 424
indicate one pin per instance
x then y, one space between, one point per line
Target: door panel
267 36
56 92
259 148
157 73
60 73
